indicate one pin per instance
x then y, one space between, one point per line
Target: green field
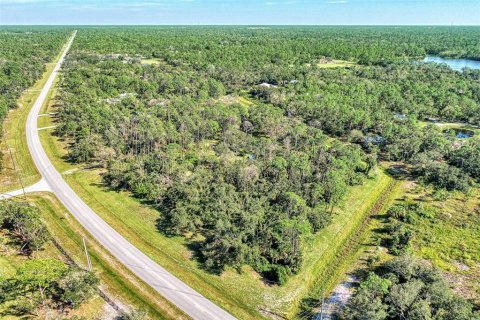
335 64
451 237
152 61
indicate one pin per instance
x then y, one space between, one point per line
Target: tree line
24 51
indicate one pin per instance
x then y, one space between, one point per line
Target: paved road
177 292
40 186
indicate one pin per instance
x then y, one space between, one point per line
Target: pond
460 133
455 64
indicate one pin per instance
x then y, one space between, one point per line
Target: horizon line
252 25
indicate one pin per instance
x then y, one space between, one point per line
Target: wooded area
245 144
23 55
247 141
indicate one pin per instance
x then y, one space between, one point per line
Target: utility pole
323 301
86 254
19 174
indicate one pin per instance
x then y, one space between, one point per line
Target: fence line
71 262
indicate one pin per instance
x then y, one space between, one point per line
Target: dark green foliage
406 288
398 231
442 175
24 224
398 241
467 157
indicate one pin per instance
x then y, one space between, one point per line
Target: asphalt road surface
177 292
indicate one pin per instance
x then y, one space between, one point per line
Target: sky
241 12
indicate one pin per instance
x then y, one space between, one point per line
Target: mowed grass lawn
243 294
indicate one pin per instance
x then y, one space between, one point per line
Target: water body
460 133
455 64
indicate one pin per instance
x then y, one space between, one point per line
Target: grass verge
117 281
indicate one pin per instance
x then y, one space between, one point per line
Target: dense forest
243 139
23 55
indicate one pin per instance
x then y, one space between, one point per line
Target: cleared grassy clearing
241 294
335 64
151 61
244 101
451 238
451 125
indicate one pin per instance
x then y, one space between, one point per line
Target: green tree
77 286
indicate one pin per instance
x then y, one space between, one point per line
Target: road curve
177 292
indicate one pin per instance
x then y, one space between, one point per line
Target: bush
133 315
77 286
406 288
399 238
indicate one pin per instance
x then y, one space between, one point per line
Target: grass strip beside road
22 170
118 282
15 140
